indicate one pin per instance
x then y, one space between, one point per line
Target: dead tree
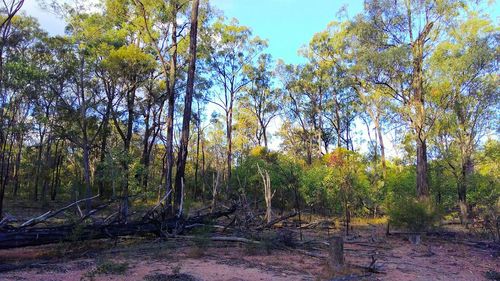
268 196
155 221
215 188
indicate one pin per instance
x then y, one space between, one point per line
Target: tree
8 11
188 100
347 177
260 98
130 65
232 50
464 68
403 34
165 15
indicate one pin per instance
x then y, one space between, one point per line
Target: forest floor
435 258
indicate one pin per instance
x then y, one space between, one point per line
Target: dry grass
369 221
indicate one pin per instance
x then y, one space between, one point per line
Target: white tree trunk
268 196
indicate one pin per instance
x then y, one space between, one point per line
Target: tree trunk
382 147
126 149
186 120
264 134
418 105
466 172
56 181
104 142
145 158
229 136
197 160
86 176
38 167
203 171
422 168
268 196
17 165
171 110
46 168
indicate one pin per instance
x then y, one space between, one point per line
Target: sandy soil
396 258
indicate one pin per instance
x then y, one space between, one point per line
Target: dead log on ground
33 236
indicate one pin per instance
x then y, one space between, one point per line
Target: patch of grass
196 252
268 241
344 272
365 221
201 241
105 267
110 267
171 277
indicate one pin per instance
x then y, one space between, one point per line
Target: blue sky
286 24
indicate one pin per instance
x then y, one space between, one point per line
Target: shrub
414 215
106 267
110 267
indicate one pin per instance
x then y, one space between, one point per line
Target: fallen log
47 235
34 236
233 239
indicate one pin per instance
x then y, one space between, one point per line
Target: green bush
414 215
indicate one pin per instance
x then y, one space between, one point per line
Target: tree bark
17 166
229 137
418 106
186 121
171 111
86 175
382 147
466 172
104 141
197 160
422 168
46 167
38 167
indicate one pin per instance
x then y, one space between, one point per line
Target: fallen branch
150 211
276 220
307 253
50 214
324 223
233 239
33 236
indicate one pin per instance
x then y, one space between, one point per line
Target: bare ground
436 258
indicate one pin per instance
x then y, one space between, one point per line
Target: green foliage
414 215
313 189
400 183
87 109
485 189
282 170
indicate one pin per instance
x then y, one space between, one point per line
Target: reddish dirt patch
434 259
